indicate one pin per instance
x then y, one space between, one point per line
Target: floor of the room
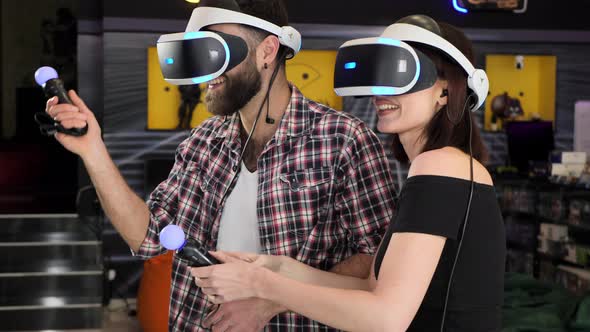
119 321
115 319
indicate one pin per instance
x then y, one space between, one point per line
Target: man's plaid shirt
325 193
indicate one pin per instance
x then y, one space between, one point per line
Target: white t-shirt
238 228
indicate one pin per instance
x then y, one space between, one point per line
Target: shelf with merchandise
547 227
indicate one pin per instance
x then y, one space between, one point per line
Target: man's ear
268 50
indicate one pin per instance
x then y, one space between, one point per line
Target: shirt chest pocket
306 179
304 198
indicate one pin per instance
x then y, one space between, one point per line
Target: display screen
494 5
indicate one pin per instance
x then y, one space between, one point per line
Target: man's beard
239 89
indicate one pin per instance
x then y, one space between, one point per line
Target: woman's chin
386 127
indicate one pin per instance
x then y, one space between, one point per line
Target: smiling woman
516 6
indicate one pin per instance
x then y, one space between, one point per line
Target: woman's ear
443 97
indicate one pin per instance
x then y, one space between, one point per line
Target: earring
265 65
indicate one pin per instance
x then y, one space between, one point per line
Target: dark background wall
18 66
541 14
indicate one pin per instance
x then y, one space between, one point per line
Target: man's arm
364 205
127 211
358 266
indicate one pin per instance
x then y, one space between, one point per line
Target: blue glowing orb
44 74
172 237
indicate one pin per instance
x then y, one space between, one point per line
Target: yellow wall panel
536 82
312 71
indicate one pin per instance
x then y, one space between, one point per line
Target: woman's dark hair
450 125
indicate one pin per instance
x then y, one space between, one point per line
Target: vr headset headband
205 16
477 79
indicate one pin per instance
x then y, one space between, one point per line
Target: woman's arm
405 274
294 269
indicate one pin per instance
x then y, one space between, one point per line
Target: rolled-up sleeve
366 202
163 206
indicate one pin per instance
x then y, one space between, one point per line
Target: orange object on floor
153 297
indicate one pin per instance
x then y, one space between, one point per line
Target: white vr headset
196 56
387 65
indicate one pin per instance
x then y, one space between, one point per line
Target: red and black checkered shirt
325 193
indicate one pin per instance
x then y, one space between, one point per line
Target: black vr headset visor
381 66
197 57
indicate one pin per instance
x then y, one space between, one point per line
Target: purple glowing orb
172 237
44 74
